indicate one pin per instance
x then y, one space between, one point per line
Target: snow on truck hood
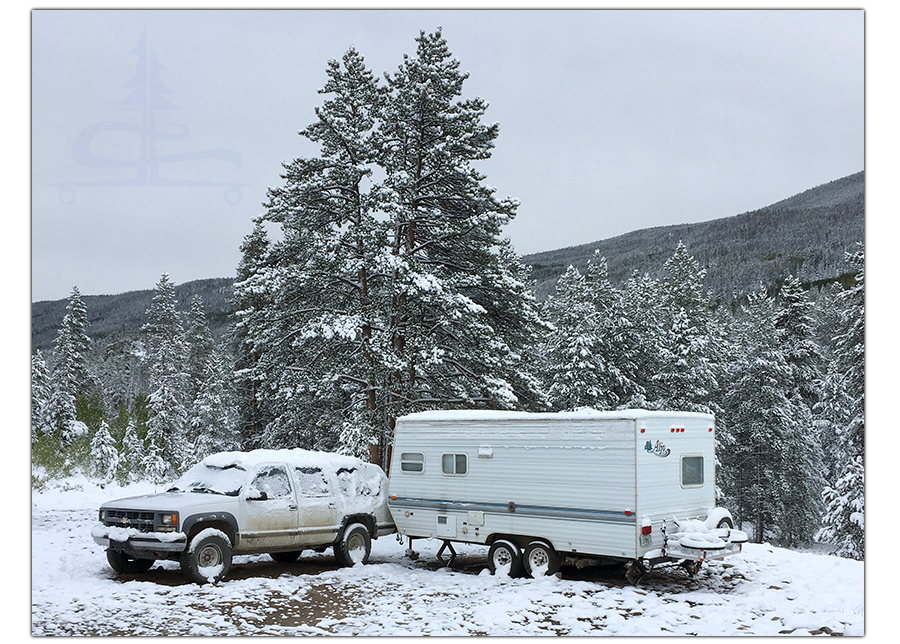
168 501
299 457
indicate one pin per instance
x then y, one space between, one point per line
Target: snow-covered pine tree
213 415
200 345
844 521
133 451
802 451
685 378
70 373
315 369
759 416
252 298
642 299
104 455
573 379
41 394
457 314
390 290
164 340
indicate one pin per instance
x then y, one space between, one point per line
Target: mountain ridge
805 235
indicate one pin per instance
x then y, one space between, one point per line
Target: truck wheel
506 558
122 563
540 559
354 545
286 557
207 559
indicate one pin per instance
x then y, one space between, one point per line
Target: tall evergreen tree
213 415
70 372
199 344
41 395
164 338
844 521
390 290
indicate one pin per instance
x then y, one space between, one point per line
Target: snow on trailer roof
584 413
297 457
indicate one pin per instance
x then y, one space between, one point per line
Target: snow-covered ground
763 591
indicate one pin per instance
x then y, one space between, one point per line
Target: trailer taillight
646 529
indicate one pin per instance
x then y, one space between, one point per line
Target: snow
763 591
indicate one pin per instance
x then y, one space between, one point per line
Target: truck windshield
206 479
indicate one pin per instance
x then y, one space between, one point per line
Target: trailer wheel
725 523
540 559
505 558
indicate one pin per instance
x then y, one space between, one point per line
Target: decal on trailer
659 449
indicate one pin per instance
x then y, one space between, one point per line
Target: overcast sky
610 121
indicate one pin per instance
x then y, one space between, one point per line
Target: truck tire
207 559
353 545
725 523
286 557
540 559
123 564
505 557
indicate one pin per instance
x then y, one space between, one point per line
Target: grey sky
610 121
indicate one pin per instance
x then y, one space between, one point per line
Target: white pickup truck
279 502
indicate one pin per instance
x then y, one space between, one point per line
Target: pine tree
41 395
803 460
70 372
390 290
165 355
200 345
252 299
844 521
104 455
213 416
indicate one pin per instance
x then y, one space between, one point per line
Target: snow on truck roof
298 457
579 414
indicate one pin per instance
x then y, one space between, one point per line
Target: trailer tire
540 559
725 522
506 558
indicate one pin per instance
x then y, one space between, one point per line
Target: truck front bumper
139 545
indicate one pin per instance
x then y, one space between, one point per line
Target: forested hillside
125 313
805 235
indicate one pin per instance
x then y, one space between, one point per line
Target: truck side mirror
256 495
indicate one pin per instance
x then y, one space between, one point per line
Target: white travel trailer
584 487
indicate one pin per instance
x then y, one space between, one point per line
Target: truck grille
141 520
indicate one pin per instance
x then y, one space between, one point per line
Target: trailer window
454 464
691 471
412 462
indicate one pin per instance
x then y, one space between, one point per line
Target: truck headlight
103 515
168 522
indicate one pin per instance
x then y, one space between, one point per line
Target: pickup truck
279 502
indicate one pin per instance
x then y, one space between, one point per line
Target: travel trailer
543 490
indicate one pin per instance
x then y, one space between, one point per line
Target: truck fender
218 518
715 515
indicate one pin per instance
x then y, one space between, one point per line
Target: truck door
316 499
270 509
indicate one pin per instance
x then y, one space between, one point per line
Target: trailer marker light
627 513
643 430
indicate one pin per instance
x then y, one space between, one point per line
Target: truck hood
172 501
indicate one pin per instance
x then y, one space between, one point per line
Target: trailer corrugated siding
571 481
